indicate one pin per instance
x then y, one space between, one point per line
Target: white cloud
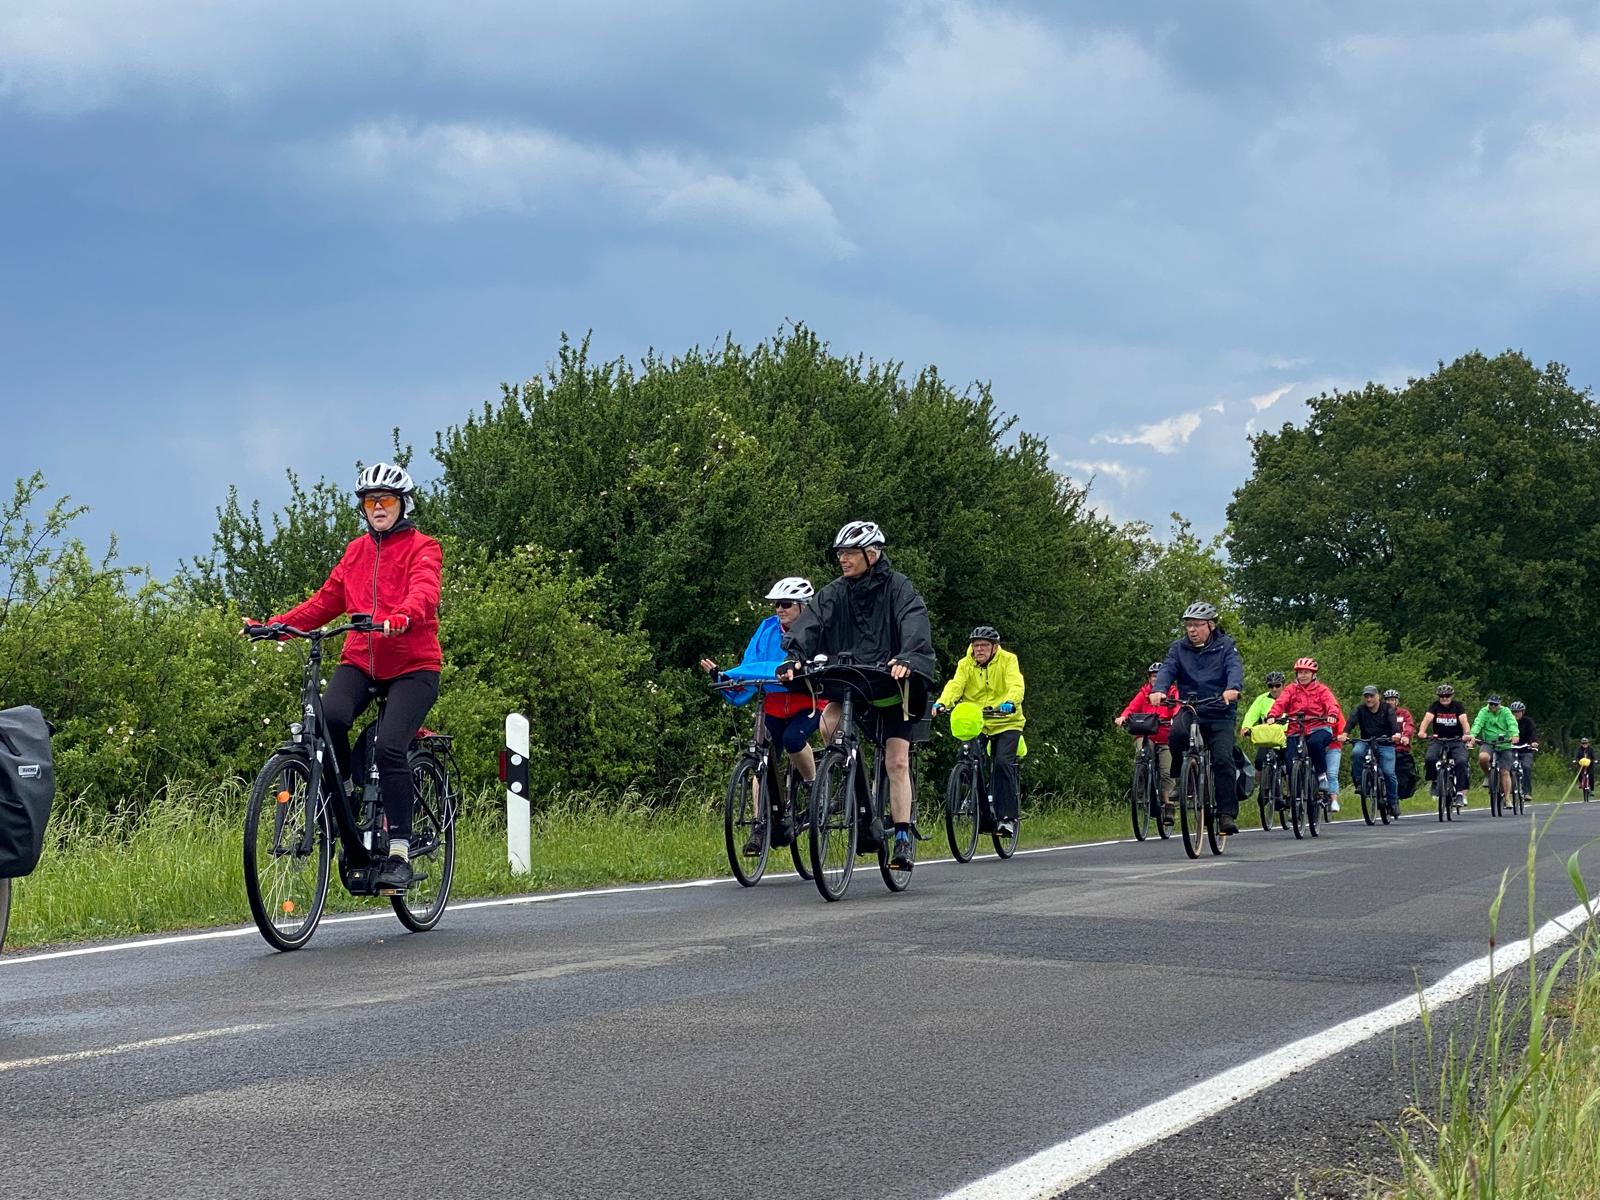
1267 399
1120 473
449 171
1216 408
1164 437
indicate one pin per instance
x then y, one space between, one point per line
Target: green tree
1460 509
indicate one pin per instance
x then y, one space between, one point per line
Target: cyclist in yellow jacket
992 678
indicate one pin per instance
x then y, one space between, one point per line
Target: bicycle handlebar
359 623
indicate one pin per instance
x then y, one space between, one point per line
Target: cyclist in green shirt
1257 712
1497 729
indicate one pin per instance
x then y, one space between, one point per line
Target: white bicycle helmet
385 477
792 587
858 535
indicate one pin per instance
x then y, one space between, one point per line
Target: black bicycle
1144 794
1307 800
1445 784
846 813
287 832
1521 778
748 805
1585 781
1374 787
1501 759
969 803
1197 805
1271 788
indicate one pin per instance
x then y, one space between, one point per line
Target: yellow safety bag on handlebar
966 720
1273 736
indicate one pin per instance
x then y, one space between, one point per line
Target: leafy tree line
606 524
1459 511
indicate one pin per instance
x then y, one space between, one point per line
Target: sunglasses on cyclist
783 604
374 503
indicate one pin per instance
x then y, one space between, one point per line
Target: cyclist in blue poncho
790 718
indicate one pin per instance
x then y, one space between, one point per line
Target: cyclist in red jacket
1315 719
391 571
1141 703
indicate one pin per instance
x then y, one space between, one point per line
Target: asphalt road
710 1040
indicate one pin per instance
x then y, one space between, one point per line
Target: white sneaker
1461 800
1333 804
1322 782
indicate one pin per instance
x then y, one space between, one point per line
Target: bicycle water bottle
369 796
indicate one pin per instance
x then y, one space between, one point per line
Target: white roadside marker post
519 805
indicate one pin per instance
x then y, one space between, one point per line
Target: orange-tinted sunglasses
373 503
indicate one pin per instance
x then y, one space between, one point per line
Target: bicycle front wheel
1191 806
5 908
961 811
833 827
1264 797
1369 801
433 846
1139 802
1300 788
744 816
286 852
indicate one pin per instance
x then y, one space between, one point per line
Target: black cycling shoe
903 858
756 842
782 835
1227 825
393 877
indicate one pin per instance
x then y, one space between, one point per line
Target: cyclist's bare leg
897 762
831 716
804 763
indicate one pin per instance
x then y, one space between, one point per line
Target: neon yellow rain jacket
989 687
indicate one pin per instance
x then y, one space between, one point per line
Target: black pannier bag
27 788
1143 724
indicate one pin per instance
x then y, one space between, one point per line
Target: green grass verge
178 865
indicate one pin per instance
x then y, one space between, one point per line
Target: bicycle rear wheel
433 846
1266 794
1005 846
800 823
961 811
1191 806
1215 837
833 827
286 850
744 813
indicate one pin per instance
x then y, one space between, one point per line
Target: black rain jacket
877 618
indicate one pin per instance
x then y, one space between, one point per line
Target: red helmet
1305 664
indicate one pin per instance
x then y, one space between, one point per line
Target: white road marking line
128 1047
514 901
1066 1164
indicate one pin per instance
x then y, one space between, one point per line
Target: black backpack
27 788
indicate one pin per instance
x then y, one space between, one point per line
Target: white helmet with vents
792 587
385 477
858 535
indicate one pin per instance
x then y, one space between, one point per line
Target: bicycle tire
285 893
897 879
1004 846
1314 808
1265 795
433 845
1217 840
961 812
799 824
745 805
1139 801
5 909
1368 798
1191 801
1297 796
832 837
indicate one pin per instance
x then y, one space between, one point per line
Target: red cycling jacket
1408 727
1310 706
390 575
1141 704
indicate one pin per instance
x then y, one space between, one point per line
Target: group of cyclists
1205 664
872 614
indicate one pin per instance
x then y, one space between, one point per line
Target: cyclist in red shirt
1315 719
391 571
1141 703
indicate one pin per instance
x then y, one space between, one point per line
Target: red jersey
1309 706
1141 704
394 574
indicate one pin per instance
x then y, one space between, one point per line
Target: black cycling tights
409 698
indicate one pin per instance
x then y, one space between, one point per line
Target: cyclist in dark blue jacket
1204 663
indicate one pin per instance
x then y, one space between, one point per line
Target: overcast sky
240 237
